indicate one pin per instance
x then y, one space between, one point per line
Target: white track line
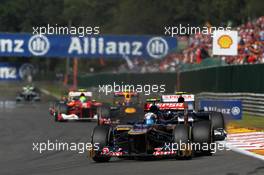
243 142
248 153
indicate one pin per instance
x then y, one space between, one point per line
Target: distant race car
164 124
126 107
28 93
77 106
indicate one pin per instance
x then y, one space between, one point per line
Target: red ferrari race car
77 106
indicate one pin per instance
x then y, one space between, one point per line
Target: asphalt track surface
23 124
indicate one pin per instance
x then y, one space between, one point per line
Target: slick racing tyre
60 109
101 136
181 139
202 137
63 108
217 120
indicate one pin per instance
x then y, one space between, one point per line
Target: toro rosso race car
77 106
170 127
28 93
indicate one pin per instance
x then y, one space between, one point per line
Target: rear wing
167 106
153 100
77 94
119 94
174 98
171 106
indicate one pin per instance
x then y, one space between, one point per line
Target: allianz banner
93 46
9 71
15 71
232 109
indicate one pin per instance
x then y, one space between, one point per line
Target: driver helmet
150 118
82 98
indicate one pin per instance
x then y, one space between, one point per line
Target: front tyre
61 108
101 136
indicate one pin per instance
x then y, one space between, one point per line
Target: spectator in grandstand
250 49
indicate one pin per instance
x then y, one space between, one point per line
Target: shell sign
225 42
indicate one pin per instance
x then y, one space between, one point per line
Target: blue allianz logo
157 47
235 110
38 45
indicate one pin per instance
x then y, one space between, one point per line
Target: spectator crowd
250 45
199 47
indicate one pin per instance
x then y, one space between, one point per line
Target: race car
125 98
126 106
28 93
172 102
165 125
77 106
179 97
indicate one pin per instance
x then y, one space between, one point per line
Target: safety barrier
235 78
252 103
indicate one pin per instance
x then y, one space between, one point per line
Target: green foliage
124 16
254 8
249 121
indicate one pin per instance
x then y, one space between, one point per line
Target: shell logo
225 41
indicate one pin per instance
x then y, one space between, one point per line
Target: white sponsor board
76 94
174 98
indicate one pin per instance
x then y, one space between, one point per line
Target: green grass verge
56 89
249 121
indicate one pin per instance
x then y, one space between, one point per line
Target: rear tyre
202 137
217 120
102 136
181 138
